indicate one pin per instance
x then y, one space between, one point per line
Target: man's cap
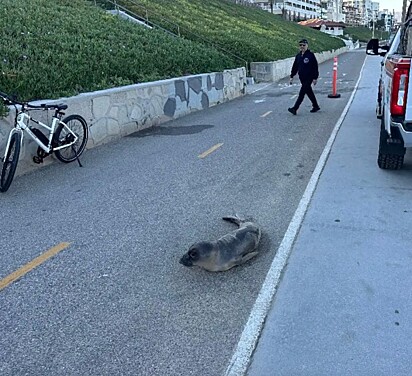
305 41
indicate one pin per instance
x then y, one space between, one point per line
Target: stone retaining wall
117 112
275 70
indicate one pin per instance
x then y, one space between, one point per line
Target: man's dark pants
306 89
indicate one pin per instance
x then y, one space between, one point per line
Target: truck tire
390 155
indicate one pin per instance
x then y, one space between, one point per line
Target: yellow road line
32 264
211 150
266 114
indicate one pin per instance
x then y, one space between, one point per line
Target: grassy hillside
363 34
54 48
248 32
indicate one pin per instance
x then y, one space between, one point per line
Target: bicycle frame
22 121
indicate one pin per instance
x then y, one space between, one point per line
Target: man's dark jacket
307 67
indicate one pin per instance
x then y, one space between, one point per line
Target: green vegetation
248 32
54 48
363 34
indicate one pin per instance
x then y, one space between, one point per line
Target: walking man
306 66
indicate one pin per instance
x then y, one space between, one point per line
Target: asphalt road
116 301
344 305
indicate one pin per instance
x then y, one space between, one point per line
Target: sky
391 4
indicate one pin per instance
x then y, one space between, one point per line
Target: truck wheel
391 155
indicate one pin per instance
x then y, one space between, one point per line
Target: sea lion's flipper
234 219
248 256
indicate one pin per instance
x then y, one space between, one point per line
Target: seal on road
230 250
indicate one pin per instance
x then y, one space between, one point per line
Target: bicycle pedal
37 160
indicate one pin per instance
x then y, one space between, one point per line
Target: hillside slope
248 32
54 48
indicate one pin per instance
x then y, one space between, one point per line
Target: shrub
65 47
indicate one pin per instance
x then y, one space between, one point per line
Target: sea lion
230 250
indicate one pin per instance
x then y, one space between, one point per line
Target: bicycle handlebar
8 99
43 106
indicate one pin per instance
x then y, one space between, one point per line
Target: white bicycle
66 138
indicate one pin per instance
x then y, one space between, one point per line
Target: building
328 27
351 12
294 10
354 12
334 10
270 6
388 19
330 10
360 12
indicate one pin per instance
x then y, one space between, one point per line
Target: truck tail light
399 90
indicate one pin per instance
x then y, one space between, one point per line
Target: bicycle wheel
10 162
62 136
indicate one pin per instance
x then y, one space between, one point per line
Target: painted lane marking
261 88
32 264
293 96
211 150
266 114
242 355
260 100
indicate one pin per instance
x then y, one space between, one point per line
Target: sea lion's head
200 254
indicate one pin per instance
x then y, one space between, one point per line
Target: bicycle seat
58 107
61 106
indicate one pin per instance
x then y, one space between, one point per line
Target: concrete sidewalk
344 305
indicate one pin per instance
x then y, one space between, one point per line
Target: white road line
261 88
241 358
266 114
293 96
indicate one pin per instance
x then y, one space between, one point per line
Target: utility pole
404 10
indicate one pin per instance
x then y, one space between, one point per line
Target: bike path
116 301
344 304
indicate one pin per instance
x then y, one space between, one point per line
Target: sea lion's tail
234 219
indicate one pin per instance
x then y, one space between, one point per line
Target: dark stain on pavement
276 94
171 131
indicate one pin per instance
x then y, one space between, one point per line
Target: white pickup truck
394 105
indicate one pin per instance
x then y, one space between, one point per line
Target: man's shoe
292 110
315 109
